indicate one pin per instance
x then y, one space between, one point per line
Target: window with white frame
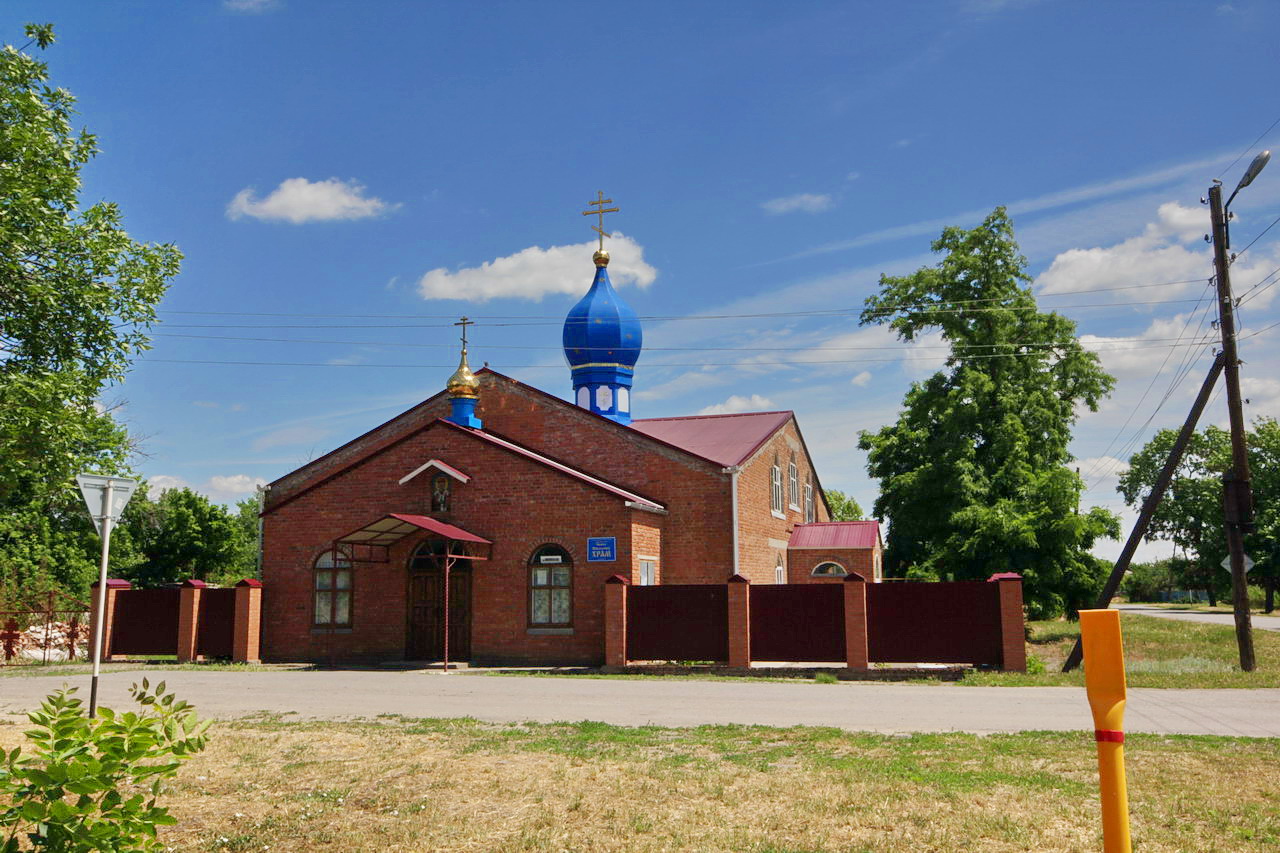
331 583
775 479
648 571
808 502
780 571
877 565
829 570
551 588
793 484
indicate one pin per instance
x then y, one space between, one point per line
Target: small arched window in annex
332 585
829 570
551 587
780 571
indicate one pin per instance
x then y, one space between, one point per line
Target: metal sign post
106 498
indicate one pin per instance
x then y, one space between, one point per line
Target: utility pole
1237 498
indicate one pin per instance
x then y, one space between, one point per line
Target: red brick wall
801 563
697 549
757 523
512 500
646 541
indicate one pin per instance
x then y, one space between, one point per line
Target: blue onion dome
601 332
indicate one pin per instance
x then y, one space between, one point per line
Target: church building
481 525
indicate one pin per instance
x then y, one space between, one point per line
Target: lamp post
1237 498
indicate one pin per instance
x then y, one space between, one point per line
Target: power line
1249 147
1255 239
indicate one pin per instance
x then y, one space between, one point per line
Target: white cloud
204 404
232 486
534 272
737 403
250 7
802 202
861 379
1155 256
161 483
290 435
853 176
298 200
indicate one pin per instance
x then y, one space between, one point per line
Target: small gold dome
463 382
601 258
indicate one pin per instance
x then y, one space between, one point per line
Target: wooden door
426 616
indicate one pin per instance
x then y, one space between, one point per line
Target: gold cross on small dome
600 211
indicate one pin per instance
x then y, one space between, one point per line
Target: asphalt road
1260 622
852 706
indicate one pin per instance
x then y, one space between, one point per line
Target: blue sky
352 176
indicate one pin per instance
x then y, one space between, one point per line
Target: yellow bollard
1104 683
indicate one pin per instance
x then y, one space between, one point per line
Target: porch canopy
386 531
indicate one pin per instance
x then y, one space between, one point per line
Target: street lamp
1237 500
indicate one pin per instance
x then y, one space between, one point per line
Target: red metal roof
835 534
724 439
393 527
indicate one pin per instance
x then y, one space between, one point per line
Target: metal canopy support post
1152 502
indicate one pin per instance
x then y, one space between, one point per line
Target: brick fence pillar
1013 629
114 585
739 621
855 621
246 640
189 620
615 620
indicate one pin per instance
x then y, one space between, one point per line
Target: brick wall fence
194 622
974 622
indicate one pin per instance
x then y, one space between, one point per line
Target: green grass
160 664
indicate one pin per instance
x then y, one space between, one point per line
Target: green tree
1190 514
77 296
974 476
843 507
182 535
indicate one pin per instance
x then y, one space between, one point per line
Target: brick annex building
522 505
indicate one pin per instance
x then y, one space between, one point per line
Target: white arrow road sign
1248 563
94 489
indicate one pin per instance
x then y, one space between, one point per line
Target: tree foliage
77 296
843 507
974 476
1190 514
182 534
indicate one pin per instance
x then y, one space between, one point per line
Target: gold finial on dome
463 382
600 210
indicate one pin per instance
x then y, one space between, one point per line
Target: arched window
829 570
780 571
551 588
793 484
429 556
331 583
775 482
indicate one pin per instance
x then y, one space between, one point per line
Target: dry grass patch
463 785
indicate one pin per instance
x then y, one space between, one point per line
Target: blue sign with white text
602 549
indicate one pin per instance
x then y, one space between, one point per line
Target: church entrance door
426 605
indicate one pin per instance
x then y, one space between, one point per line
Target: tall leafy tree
77 295
974 476
180 535
843 507
1190 514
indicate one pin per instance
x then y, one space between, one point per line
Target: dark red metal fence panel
145 622
678 622
957 622
797 622
217 623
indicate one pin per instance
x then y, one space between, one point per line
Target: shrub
93 785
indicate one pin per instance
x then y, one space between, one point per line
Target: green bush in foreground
92 785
